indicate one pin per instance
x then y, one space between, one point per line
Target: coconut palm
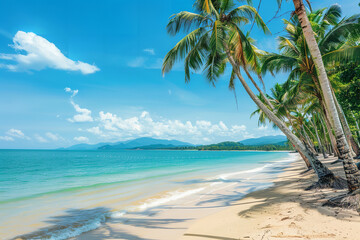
216 39
282 108
295 55
318 67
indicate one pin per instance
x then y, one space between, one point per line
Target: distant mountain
160 146
130 144
84 146
153 143
266 140
144 142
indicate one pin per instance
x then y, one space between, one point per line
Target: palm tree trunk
326 142
351 171
309 142
318 138
257 88
323 173
331 135
327 120
349 136
306 160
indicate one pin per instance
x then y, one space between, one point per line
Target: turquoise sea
37 187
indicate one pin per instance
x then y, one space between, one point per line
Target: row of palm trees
304 108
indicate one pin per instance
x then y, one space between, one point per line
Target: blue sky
89 71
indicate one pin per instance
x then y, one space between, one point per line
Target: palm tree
216 39
282 109
295 58
351 171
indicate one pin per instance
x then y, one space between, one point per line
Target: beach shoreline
283 211
265 202
166 190
171 220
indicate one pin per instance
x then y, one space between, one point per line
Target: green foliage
348 93
212 31
283 146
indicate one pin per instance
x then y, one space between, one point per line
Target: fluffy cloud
73 92
6 138
95 130
81 139
41 54
17 134
112 126
13 133
262 127
40 138
109 126
52 136
84 114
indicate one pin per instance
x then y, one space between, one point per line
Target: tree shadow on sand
75 221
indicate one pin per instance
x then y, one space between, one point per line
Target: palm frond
342 55
185 21
181 49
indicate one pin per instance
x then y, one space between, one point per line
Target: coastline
283 211
170 220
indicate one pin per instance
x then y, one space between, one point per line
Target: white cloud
6 138
112 126
69 90
262 127
94 130
52 136
84 114
151 51
17 134
40 138
81 139
41 54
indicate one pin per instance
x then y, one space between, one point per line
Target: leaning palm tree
351 171
216 39
335 44
282 109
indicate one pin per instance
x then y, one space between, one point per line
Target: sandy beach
283 211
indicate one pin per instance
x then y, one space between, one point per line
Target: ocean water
60 194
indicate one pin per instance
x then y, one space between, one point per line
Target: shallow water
59 194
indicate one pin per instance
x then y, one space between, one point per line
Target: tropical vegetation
317 107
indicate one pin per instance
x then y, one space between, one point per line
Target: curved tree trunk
257 88
327 144
318 138
321 170
309 142
306 160
351 171
331 135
